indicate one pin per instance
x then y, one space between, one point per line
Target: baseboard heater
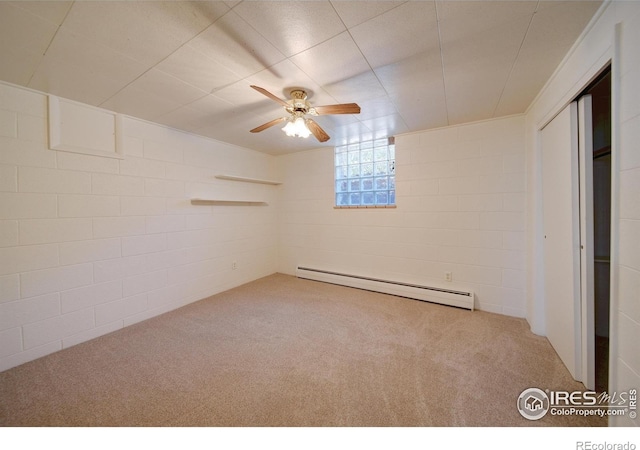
451 297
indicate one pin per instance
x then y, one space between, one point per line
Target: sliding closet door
587 247
562 237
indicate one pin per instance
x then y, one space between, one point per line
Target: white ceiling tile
523 85
17 65
23 30
254 110
560 22
420 99
332 61
280 78
476 69
424 108
527 78
426 117
184 118
292 26
146 31
197 69
404 31
136 102
240 100
386 126
466 102
216 112
354 13
166 86
211 105
234 45
461 20
74 61
75 83
336 121
53 11
544 47
579 7
354 132
240 93
238 103
415 72
377 107
357 89
159 60
491 46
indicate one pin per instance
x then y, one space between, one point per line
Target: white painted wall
627 357
90 244
460 208
592 52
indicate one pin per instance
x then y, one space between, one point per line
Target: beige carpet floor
287 352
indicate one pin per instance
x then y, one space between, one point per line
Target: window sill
366 207
212 202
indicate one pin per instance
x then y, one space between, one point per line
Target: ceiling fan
298 107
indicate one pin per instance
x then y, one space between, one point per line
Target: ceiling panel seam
515 60
49 45
165 58
444 80
368 63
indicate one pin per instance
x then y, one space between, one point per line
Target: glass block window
365 174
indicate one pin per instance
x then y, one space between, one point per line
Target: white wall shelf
248 180
210 202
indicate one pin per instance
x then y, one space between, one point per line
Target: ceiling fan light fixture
298 107
297 127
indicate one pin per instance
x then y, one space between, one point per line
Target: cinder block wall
91 244
460 208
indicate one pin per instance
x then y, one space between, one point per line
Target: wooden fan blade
317 131
270 95
344 108
268 124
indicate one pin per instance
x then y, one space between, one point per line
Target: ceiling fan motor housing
298 102
298 107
